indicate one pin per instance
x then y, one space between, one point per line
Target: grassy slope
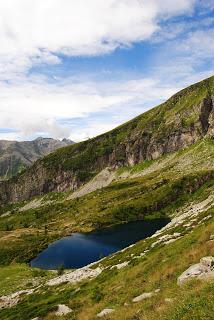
113 288
166 184
178 176
87 158
159 121
152 189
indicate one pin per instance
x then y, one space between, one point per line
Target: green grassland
159 189
116 288
152 189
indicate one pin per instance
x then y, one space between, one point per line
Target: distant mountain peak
17 155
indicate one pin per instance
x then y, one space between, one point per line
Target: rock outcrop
143 296
62 310
12 299
202 271
75 276
105 312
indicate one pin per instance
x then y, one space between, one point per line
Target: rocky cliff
184 119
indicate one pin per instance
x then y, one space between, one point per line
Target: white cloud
37 108
36 31
199 44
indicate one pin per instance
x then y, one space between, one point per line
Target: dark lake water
80 249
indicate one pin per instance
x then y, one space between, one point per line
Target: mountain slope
171 177
178 186
181 121
16 156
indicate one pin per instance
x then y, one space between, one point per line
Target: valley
157 166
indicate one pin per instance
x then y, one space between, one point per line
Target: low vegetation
177 186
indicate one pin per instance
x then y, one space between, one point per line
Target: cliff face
181 121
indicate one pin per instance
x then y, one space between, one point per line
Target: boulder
143 296
63 310
203 271
105 312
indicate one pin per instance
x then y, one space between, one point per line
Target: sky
75 69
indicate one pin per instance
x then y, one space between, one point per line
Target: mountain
16 156
184 119
157 167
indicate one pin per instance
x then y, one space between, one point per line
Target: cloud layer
34 32
44 33
43 107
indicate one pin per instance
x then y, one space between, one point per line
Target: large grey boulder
203 271
63 310
105 312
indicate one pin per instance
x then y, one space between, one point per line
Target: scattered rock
171 241
188 224
189 212
168 300
167 239
143 296
203 271
105 312
12 299
206 218
101 180
75 276
120 265
157 290
63 310
212 237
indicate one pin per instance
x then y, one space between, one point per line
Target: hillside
179 186
185 118
157 166
16 156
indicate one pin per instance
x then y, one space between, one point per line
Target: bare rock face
203 271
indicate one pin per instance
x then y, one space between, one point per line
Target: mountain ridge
18 155
182 120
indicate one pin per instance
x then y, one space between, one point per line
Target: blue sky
76 70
